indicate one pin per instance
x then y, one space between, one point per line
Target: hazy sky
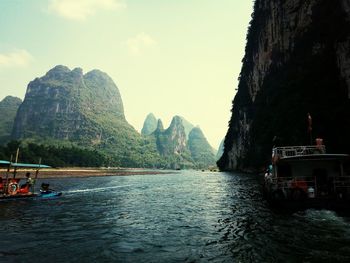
168 57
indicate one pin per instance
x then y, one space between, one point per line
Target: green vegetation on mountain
66 110
177 148
171 144
293 65
67 107
187 125
8 110
149 125
201 151
63 156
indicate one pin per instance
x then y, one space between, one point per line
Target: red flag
309 121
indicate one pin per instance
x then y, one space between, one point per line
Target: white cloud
140 42
81 9
16 58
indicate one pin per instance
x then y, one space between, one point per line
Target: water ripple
185 217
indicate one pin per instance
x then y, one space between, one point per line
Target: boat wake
99 189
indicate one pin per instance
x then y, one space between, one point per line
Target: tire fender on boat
12 188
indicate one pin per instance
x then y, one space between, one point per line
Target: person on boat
268 174
30 180
319 145
1 185
25 188
29 183
45 188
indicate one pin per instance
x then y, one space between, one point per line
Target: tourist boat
307 177
11 188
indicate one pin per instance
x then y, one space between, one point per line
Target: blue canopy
4 163
22 165
29 165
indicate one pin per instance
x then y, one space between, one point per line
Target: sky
168 57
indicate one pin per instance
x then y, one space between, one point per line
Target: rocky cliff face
201 151
68 107
187 125
172 140
151 122
8 110
66 104
172 144
296 61
220 150
149 125
180 145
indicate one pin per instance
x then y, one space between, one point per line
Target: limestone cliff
187 125
297 60
181 145
220 150
173 139
68 107
201 151
66 104
172 144
8 110
149 125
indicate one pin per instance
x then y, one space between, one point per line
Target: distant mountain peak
67 102
11 100
201 151
176 121
149 125
96 73
59 69
160 126
196 131
78 71
187 125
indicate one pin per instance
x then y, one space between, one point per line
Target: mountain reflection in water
188 216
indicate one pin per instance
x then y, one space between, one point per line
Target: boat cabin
308 172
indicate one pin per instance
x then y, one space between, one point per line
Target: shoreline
71 172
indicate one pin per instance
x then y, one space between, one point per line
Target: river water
187 216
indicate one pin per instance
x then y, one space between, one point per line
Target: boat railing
290 151
303 183
342 182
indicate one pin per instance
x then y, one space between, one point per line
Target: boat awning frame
22 165
29 165
4 163
315 157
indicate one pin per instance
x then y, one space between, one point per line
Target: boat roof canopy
29 165
22 165
4 163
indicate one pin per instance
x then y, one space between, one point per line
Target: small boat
302 177
11 187
46 192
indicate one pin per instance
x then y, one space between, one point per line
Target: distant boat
304 177
11 189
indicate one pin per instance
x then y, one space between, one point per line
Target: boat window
284 170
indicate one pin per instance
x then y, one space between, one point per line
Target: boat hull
31 196
50 195
328 203
17 197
